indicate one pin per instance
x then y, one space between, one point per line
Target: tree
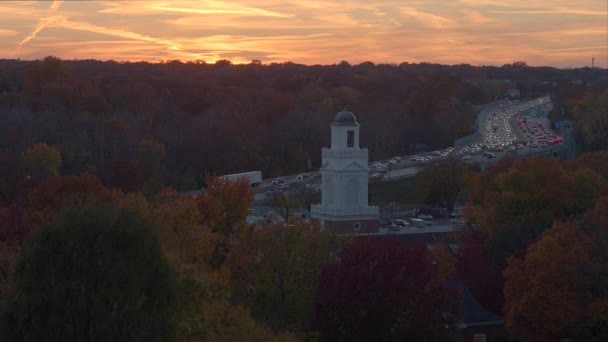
224 206
516 206
445 259
46 201
595 161
151 155
480 273
278 277
590 121
97 274
41 161
558 290
286 203
380 290
208 313
440 183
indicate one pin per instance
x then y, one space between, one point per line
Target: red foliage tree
381 290
479 273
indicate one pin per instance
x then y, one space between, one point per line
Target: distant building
344 204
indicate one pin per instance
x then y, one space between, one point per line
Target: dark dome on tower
345 118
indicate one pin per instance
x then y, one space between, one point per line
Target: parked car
402 223
377 175
302 177
278 181
425 217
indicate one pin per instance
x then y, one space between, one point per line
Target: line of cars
536 132
413 222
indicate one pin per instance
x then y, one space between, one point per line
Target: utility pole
592 62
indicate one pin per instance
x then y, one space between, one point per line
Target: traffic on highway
504 127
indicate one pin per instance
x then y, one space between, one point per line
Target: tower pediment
355 166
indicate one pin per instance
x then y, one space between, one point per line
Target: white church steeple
344 191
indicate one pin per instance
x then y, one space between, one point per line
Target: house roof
474 313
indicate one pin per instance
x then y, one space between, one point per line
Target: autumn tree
224 206
558 290
278 279
97 274
208 313
479 272
46 201
380 290
445 259
516 206
596 161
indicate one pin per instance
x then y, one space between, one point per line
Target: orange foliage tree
558 290
50 197
224 206
208 314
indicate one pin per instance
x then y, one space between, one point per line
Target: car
302 177
394 227
489 155
466 157
382 171
278 181
402 223
377 175
425 217
456 213
318 175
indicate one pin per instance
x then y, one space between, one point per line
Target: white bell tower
344 192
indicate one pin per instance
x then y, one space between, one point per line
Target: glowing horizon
478 32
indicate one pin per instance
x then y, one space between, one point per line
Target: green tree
440 183
591 121
41 161
151 155
514 207
97 274
279 276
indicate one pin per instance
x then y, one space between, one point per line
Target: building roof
474 313
345 118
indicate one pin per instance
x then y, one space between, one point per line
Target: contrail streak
42 23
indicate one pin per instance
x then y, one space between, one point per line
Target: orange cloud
493 32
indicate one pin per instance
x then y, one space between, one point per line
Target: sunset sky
562 33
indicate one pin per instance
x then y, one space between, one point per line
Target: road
408 168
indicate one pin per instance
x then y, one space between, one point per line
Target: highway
497 115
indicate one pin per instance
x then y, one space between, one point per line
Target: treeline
80 261
134 124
